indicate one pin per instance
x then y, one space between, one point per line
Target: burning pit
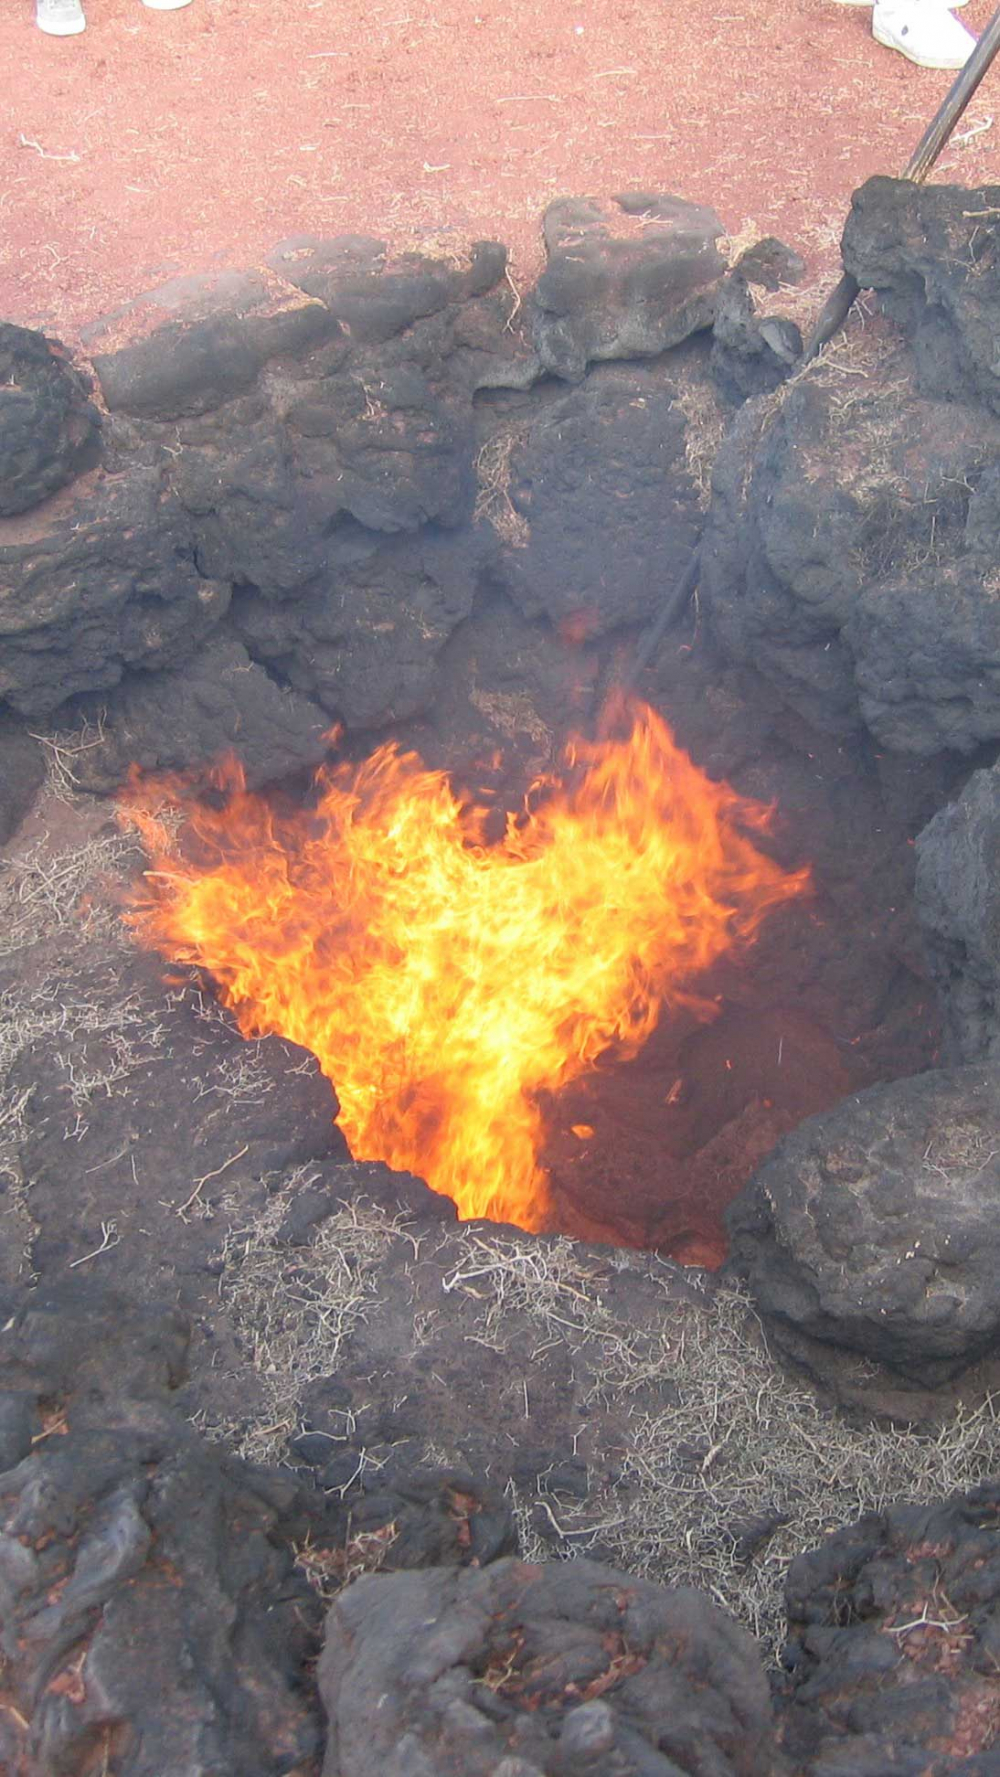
452 985
578 980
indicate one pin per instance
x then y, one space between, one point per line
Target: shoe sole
165 5
62 30
911 55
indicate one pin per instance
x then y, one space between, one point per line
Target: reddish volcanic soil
158 143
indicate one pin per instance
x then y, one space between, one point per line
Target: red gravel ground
166 142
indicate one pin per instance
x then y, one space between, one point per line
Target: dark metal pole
838 304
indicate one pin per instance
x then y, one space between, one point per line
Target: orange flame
444 982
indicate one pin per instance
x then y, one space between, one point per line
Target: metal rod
838 304
673 608
939 129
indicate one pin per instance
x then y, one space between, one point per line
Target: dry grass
330 1570
493 477
297 1327
127 1038
705 424
513 714
440 245
747 235
62 749
55 905
42 891
960 1148
727 1468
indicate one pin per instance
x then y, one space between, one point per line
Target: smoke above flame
445 982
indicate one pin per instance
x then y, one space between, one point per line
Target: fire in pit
445 982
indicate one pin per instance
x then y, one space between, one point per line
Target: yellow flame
444 982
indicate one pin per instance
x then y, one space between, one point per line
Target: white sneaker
60 18
175 5
924 31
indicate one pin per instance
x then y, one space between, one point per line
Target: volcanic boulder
99 580
851 551
376 296
958 899
751 355
195 342
933 254
566 1670
603 483
48 424
133 1097
252 521
364 642
152 1616
874 1228
222 703
894 1632
624 278
384 436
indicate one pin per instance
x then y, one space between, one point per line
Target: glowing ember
443 982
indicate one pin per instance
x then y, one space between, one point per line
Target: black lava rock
894 1627
874 1228
151 1603
48 423
570 1669
958 900
623 279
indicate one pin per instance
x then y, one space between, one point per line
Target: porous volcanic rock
958 900
48 423
262 441
195 342
624 278
751 354
931 252
102 578
131 1085
364 643
770 263
222 703
322 461
874 1227
337 1181
252 521
602 483
894 1635
153 1622
851 554
22 768
383 436
374 295
565 1669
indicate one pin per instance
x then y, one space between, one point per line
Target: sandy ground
157 143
